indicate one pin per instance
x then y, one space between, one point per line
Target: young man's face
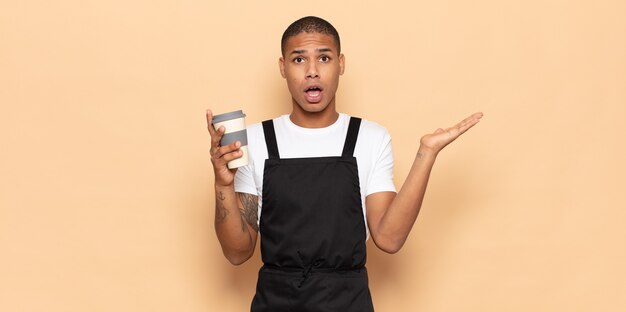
312 65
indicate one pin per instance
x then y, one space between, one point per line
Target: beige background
106 186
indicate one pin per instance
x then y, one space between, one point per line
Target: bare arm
235 213
390 217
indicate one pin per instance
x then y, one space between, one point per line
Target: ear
281 66
342 64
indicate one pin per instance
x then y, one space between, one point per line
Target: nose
312 71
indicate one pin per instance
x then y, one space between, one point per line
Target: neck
320 119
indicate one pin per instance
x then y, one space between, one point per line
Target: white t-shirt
372 152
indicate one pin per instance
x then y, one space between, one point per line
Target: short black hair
310 24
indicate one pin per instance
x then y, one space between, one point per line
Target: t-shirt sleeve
381 176
244 181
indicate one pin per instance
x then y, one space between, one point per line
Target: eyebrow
317 50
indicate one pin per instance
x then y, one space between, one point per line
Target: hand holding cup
228 144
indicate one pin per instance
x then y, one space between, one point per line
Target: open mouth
313 94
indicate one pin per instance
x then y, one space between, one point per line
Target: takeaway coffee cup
235 130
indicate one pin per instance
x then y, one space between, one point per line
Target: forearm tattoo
249 211
220 211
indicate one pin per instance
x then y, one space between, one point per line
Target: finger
232 155
209 122
216 137
461 127
221 156
216 134
226 157
469 122
471 119
223 150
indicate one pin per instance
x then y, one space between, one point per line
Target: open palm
439 139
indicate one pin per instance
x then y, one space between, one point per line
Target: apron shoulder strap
270 139
353 133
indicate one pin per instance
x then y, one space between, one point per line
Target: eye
324 59
298 60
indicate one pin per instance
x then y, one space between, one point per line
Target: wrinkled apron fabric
312 232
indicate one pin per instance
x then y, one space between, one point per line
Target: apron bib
312 232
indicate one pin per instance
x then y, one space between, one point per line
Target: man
320 181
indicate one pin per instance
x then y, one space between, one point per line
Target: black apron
312 232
